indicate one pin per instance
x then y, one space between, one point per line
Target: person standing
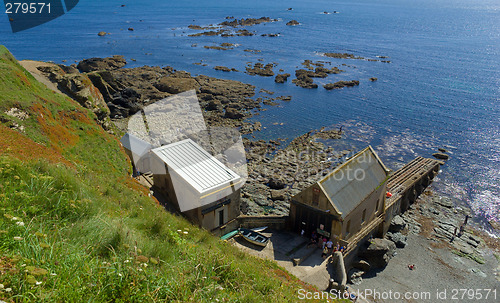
329 245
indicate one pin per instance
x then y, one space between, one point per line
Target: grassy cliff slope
75 227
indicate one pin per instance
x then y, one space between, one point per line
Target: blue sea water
441 89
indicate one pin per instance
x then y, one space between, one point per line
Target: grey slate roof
350 183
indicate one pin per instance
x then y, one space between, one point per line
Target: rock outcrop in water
281 78
341 84
225 69
247 21
342 56
260 69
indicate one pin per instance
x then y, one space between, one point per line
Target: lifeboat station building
347 204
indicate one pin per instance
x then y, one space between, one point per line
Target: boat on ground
229 235
259 229
253 237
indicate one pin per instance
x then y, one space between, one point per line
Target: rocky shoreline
275 172
425 250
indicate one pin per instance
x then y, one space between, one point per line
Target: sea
440 89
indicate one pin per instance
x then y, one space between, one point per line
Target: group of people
325 243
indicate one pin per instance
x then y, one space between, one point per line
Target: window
363 217
315 198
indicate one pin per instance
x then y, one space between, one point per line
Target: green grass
80 229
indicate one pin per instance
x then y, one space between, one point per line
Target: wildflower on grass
1 286
14 218
185 232
38 282
18 238
8 289
53 274
120 275
20 223
126 261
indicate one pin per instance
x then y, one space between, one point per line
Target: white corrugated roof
349 184
196 166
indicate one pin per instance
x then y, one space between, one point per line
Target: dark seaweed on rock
247 22
342 56
260 69
341 84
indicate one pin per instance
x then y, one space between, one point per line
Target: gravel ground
436 269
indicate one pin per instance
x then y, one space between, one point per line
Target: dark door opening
221 217
312 219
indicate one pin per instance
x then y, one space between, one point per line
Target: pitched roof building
344 201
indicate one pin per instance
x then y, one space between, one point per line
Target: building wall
210 220
315 197
369 206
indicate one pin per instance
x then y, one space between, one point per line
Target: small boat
254 237
259 229
229 235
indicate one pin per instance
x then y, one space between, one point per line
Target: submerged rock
441 156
